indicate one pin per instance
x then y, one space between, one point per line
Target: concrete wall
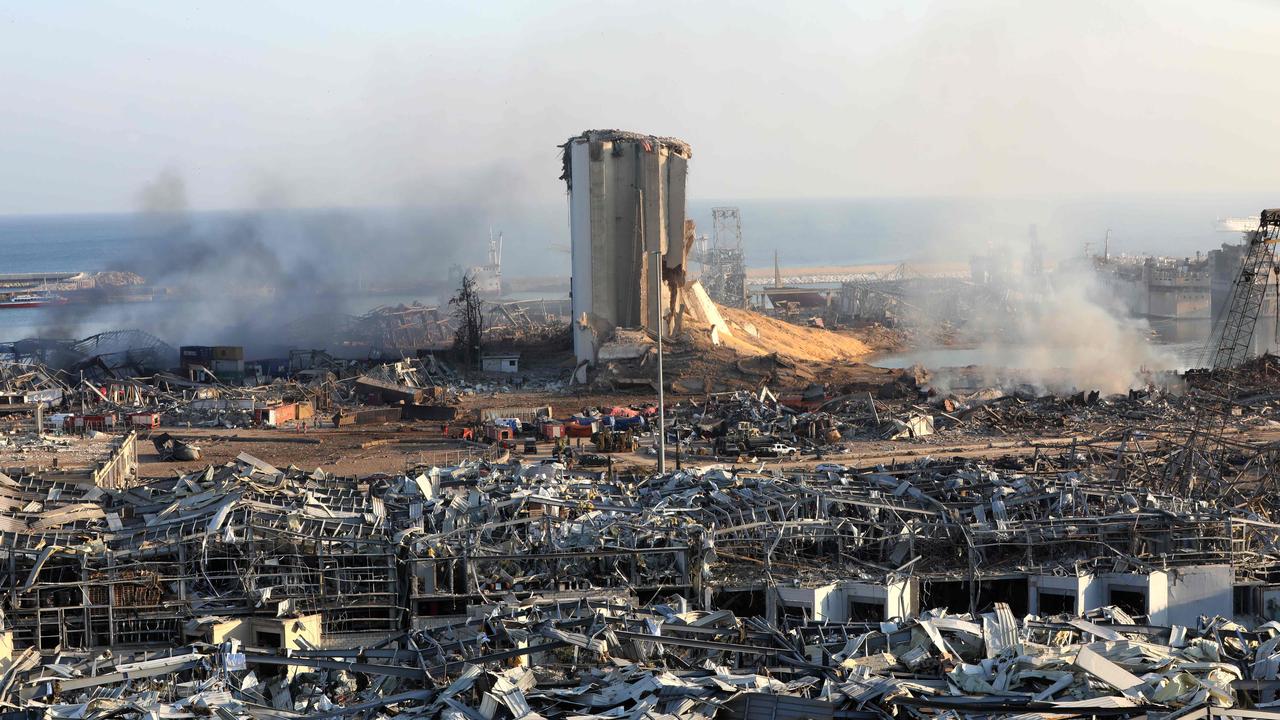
582 296
1083 590
790 597
120 471
1269 602
1195 591
903 599
831 602
1177 597
897 599
249 631
705 310
500 364
1154 586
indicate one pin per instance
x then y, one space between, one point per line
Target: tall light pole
662 407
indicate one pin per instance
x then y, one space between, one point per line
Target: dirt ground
388 448
19 448
362 451
393 448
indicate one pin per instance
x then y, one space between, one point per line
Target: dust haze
275 276
1057 325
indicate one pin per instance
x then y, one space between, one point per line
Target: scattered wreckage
172 449
822 420
1081 584
610 658
124 390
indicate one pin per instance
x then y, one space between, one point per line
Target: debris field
1111 579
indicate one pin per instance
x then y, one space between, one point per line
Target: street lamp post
662 407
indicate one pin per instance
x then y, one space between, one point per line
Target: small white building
1174 596
500 362
847 601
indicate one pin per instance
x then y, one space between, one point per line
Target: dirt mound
756 334
117 278
756 351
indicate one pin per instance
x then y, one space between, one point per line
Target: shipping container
498 432
429 412
91 422
195 355
145 420
552 430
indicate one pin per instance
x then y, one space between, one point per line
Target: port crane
1247 293
1204 456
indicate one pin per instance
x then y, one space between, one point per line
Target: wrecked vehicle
171 449
594 460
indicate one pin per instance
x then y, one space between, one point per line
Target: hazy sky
325 102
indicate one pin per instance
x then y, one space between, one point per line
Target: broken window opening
865 611
1133 602
1056 603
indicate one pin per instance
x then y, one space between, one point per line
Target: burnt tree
468 312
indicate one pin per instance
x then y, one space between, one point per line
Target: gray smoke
166 195
1060 330
276 276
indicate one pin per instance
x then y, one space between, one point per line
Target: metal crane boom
1247 293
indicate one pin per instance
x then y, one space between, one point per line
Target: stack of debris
607 657
24 385
494 588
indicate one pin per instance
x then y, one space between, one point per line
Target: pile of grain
756 334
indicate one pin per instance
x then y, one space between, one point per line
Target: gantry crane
1247 293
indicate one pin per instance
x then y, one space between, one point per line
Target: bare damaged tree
468 311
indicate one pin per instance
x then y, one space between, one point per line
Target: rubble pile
610 658
490 589
997 413
23 385
105 396
821 419
400 329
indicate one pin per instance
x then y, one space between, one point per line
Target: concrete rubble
309 386
917 409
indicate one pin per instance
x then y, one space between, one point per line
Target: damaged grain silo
626 201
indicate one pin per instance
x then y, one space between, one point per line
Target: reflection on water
1170 332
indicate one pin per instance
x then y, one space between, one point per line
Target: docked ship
786 296
13 301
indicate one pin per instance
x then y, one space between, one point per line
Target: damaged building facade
627 224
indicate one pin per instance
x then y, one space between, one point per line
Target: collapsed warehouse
496 588
96 394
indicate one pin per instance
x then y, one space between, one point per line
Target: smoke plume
274 276
1058 324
